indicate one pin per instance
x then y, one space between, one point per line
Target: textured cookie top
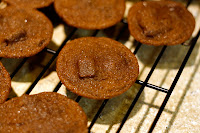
90 14
47 112
97 67
23 33
30 3
5 83
160 22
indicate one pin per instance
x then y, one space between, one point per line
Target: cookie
5 84
30 3
47 112
90 14
23 33
97 67
160 22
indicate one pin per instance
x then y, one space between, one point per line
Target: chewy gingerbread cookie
90 14
30 3
23 33
5 84
97 67
47 112
160 22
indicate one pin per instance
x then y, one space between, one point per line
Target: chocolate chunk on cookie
23 32
86 67
97 67
160 22
47 112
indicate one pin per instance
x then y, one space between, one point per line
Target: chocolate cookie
47 112
97 67
160 22
30 3
5 84
90 14
23 33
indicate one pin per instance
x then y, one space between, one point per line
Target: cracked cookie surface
97 67
160 22
46 112
23 33
30 3
90 14
5 83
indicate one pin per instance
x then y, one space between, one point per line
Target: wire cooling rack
143 83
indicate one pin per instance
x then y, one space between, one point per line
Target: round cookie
30 3
160 22
97 67
47 112
5 84
90 14
23 33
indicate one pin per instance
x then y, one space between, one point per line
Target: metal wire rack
143 84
